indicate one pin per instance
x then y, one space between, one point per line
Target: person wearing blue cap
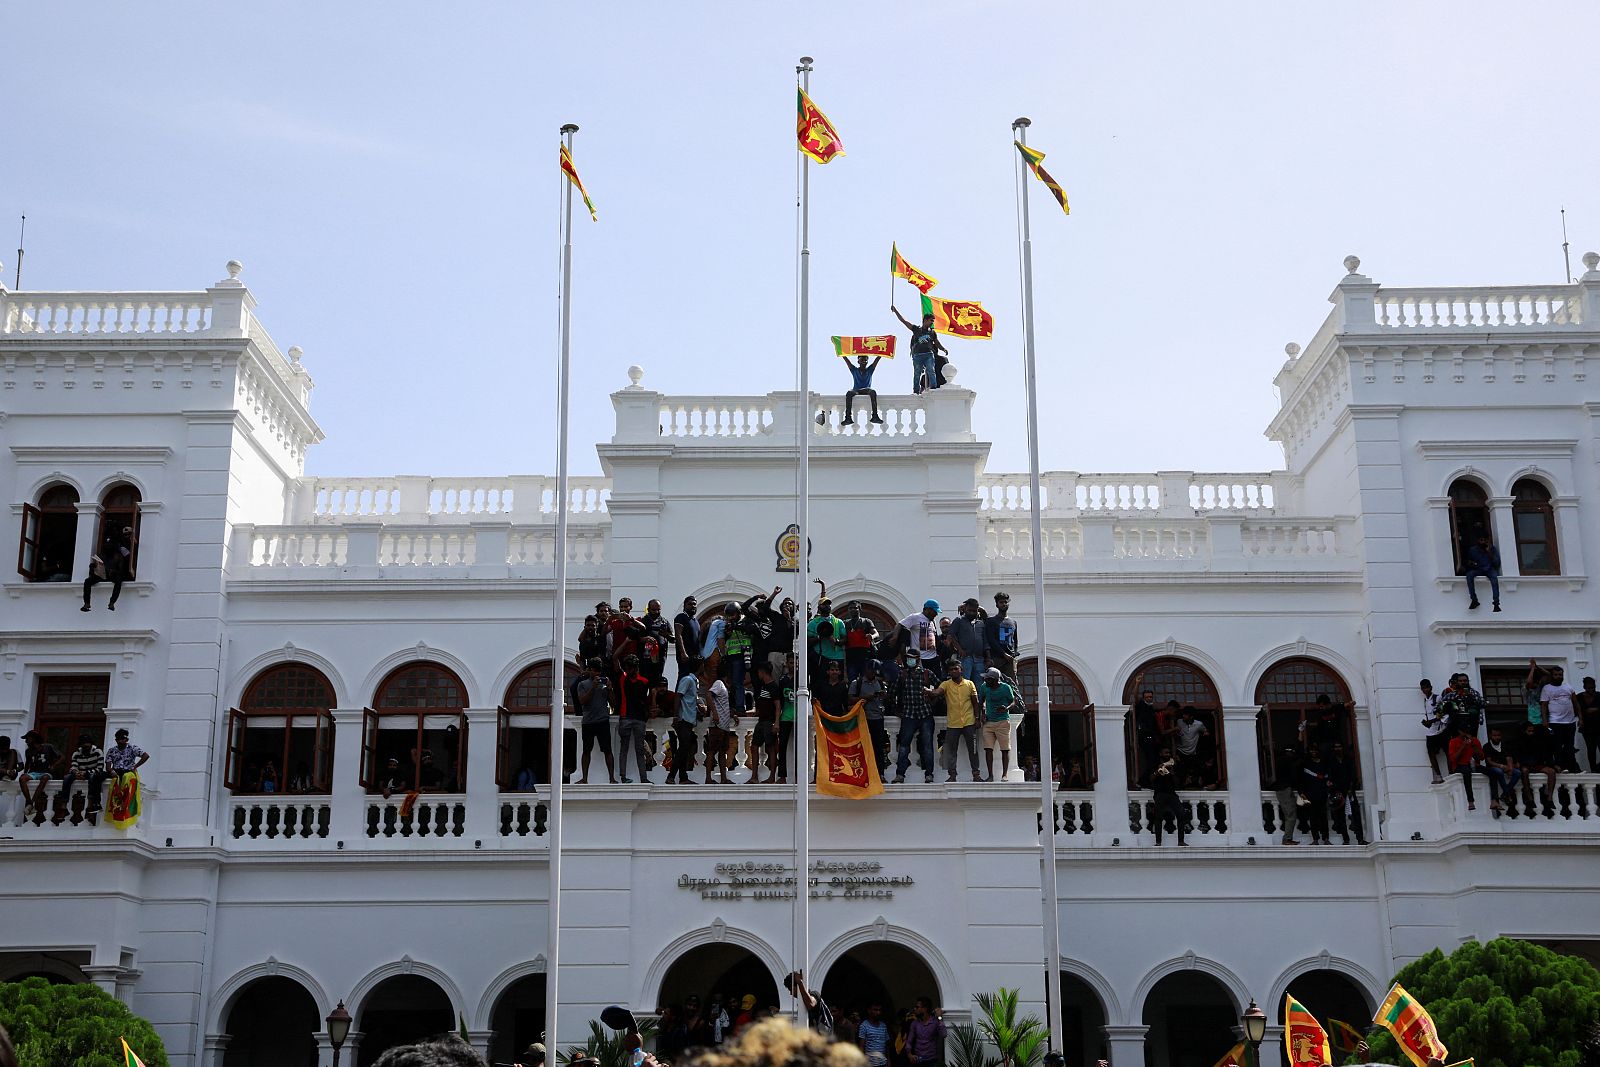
920 632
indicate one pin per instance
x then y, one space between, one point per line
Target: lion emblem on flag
968 317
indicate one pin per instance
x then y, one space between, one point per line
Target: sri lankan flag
124 807
818 139
864 346
572 176
958 318
1345 1037
1305 1042
901 269
1033 159
846 765
1411 1026
129 1057
1234 1057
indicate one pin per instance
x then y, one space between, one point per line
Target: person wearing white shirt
1557 699
1434 725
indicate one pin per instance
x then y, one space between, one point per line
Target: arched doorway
883 972
401 1010
720 969
273 1021
1192 1020
1083 1021
1331 995
517 1019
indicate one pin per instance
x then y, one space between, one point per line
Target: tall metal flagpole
802 692
1052 931
558 625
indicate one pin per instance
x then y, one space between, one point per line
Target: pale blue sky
387 174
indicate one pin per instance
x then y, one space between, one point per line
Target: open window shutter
1130 745
502 748
369 744
28 549
461 758
1091 750
1268 736
235 767
319 753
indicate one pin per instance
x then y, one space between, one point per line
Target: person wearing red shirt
1465 754
633 712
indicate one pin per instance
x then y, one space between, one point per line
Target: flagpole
802 692
1052 918
558 625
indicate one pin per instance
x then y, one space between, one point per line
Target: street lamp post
1254 1024
338 1029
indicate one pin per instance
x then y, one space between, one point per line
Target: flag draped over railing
846 764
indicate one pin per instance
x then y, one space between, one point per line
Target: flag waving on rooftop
901 269
572 176
958 318
1034 159
818 139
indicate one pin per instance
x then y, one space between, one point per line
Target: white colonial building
284 634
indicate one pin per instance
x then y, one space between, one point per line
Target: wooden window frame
1458 508
1028 669
1267 746
371 723
32 526
1212 708
512 708
45 721
125 516
321 749
36 516
1542 507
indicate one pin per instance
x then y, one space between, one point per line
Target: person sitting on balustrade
1535 751
89 767
1483 561
1500 767
40 759
861 385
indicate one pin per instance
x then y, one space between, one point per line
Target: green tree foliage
73 1026
610 1047
967 1049
1508 1003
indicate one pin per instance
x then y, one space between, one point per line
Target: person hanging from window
114 566
925 346
1164 789
1483 561
861 385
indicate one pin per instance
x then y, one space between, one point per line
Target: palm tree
609 1047
1020 1042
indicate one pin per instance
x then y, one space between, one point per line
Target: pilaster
216 1049
1111 787
1244 775
84 545
347 805
1127 1045
482 791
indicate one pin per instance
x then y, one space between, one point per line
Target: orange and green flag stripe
571 172
1305 1041
1345 1037
1411 1026
958 318
881 345
1034 159
901 269
130 1058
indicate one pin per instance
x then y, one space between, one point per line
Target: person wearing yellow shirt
961 709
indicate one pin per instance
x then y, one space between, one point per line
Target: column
104 976
324 1049
216 1049
347 814
1111 787
1505 539
1127 1045
482 791
1270 1054
480 1039
1244 775
85 546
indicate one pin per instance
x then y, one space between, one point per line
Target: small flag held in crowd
130 1058
1411 1026
571 172
958 318
1234 1057
882 345
901 269
1345 1037
818 139
846 765
1033 159
1305 1042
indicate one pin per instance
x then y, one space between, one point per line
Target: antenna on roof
1567 253
24 233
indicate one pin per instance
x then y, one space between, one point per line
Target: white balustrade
1275 818
335 498
445 500
903 416
1118 492
107 313
1462 308
1013 540
537 545
1074 814
1165 541
55 818
469 496
524 815
716 416
1290 538
1204 813
1231 492
436 816
426 546
1575 803
297 546
277 818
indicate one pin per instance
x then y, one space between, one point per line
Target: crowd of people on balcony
40 762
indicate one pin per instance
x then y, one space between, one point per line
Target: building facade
282 636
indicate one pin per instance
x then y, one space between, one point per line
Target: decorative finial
1352 263
1022 123
571 127
635 375
1291 349
1591 260
295 352
806 61
234 267
949 372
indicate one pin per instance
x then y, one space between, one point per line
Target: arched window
49 536
1071 723
522 743
280 737
1469 519
119 512
1177 684
1535 524
1292 715
415 734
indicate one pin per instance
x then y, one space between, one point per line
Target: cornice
92 454
1500 447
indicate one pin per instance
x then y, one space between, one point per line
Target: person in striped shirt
89 766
